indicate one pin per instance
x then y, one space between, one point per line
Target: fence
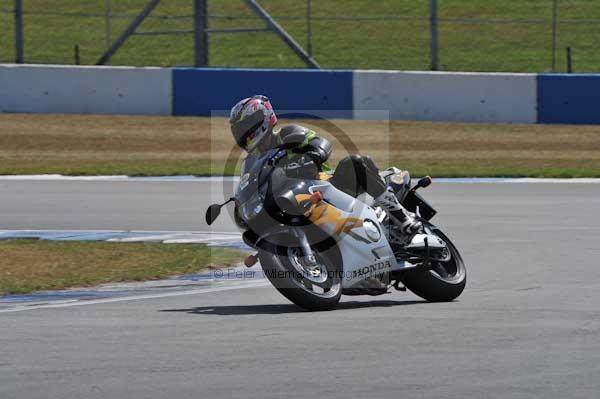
462 35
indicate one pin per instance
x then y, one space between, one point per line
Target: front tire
445 281
278 265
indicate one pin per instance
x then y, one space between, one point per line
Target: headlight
251 208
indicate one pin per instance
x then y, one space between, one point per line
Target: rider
252 122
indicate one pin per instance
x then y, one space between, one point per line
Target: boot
400 217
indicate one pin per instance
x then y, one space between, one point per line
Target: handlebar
272 161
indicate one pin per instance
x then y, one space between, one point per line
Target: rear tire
436 286
277 266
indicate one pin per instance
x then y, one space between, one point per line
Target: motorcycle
316 242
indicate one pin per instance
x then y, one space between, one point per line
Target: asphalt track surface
528 324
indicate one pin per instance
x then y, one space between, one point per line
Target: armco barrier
568 99
93 90
441 96
202 91
429 96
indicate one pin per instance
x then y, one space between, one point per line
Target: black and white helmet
251 120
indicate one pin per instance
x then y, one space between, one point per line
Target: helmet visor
243 129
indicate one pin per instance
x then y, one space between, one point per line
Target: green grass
517 39
146 146
31 265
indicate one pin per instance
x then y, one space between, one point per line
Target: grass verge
31 265
145 146
474 35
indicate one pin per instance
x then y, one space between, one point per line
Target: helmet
252 120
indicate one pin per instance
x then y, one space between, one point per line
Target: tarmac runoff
527 325
178 285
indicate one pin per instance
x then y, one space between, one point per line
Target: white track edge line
261 283
217 179
83 231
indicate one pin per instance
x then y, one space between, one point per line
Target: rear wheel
443 281
313 288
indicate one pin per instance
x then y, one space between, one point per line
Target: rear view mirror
212 213
424 182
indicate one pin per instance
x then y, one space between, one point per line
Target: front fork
308 257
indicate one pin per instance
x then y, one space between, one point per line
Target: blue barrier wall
439 96
568 99
202 91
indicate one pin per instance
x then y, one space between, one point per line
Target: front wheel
315 288
444 281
